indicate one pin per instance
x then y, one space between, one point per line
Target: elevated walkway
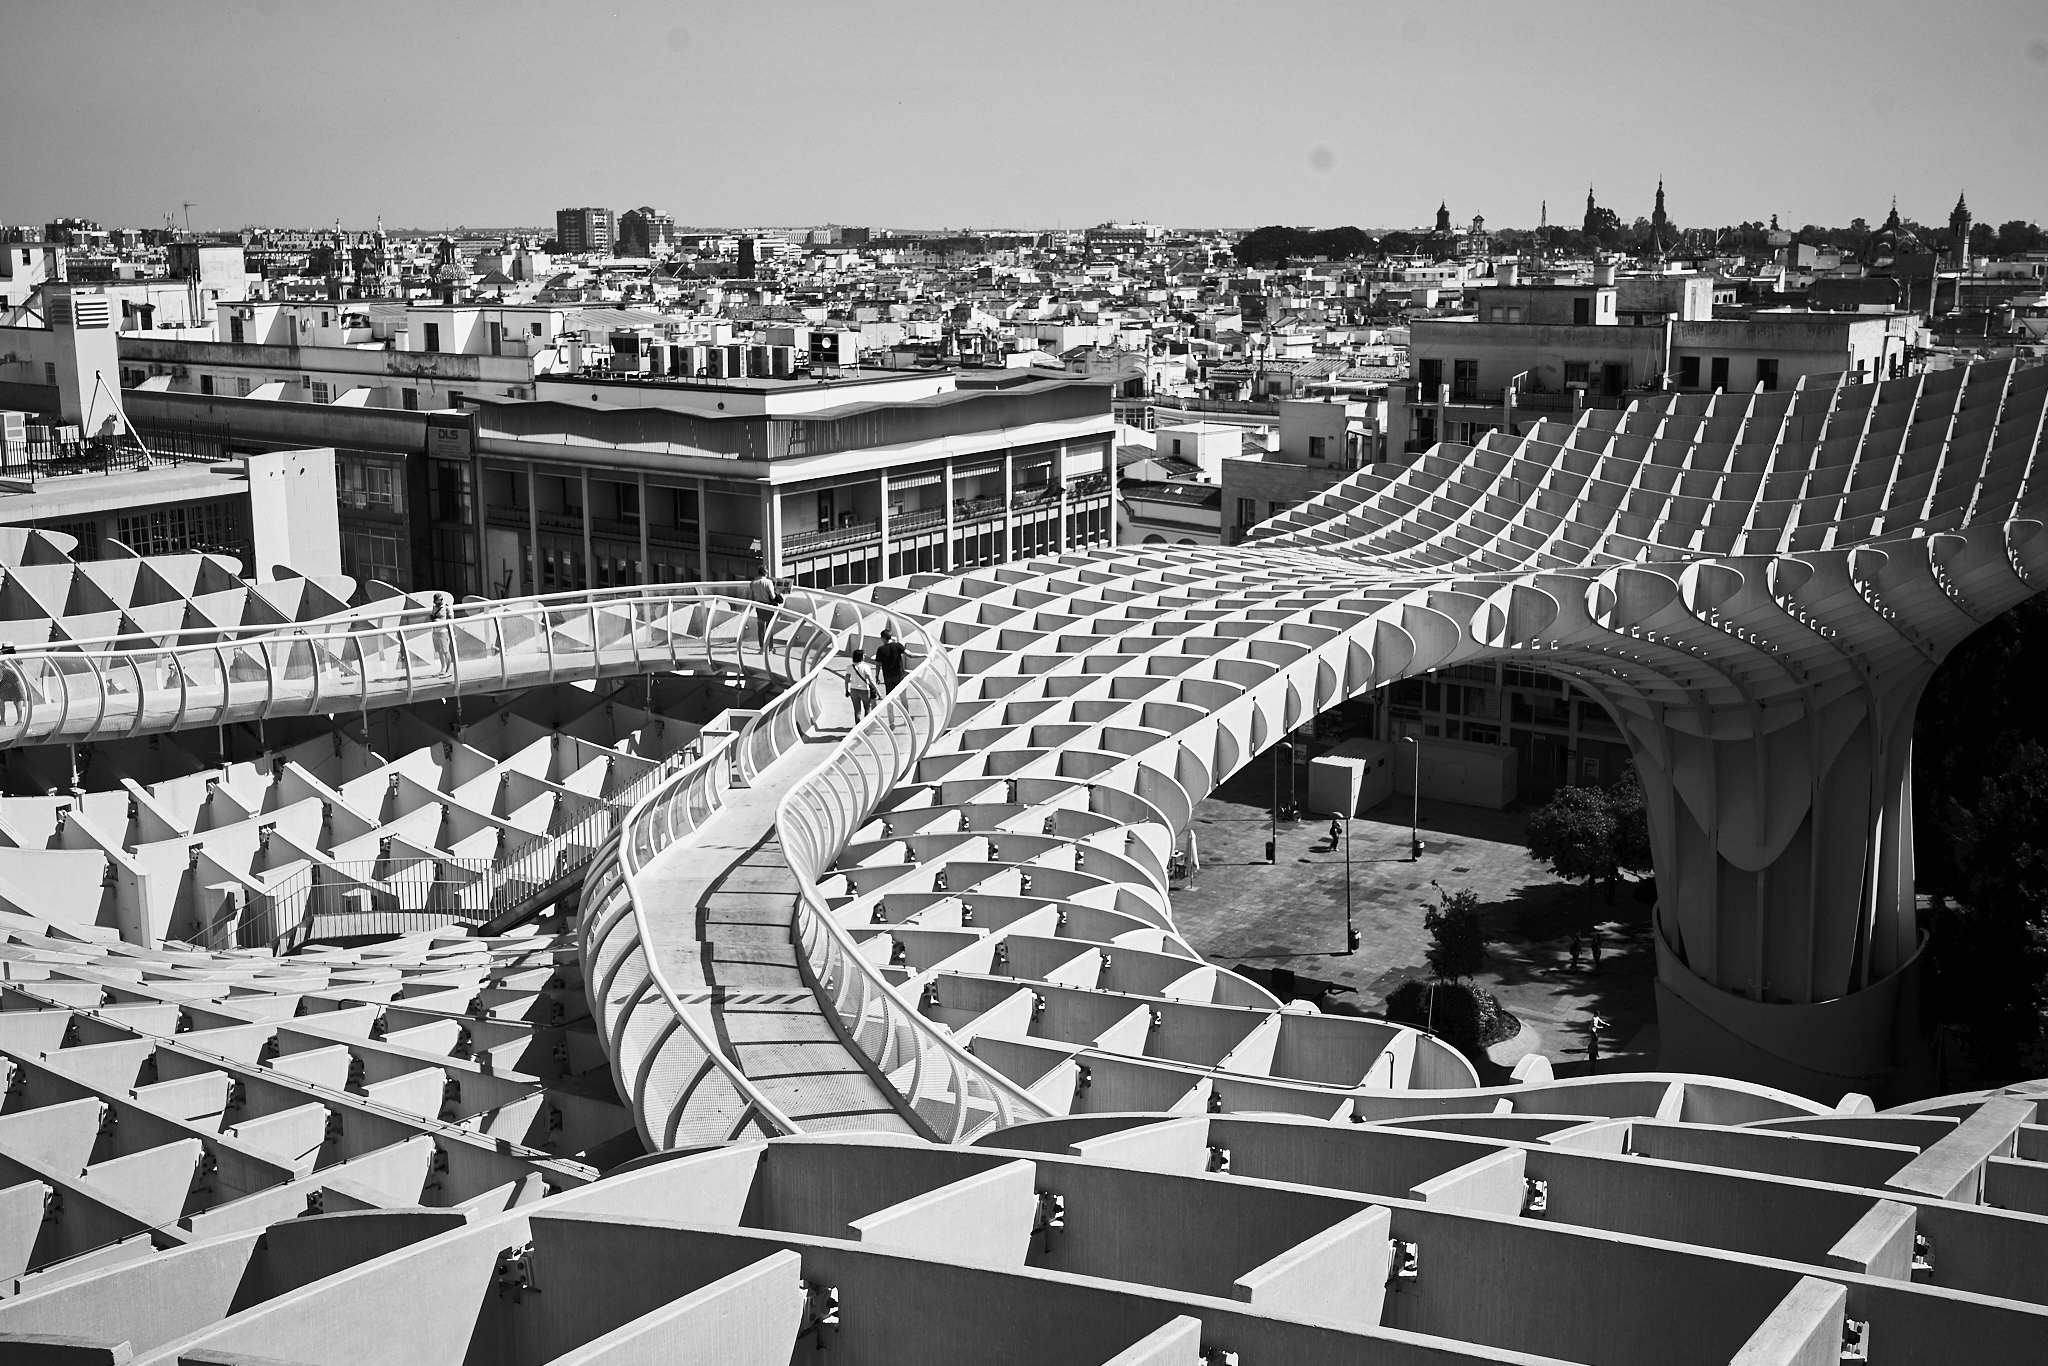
719 911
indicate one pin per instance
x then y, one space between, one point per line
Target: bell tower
1959 234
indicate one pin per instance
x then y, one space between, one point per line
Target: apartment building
612 479
585 230
1539 349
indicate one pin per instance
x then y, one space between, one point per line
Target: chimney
1508 274
1603 273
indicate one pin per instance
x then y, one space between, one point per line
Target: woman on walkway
862 683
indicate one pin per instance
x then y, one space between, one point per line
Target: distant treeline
1277 245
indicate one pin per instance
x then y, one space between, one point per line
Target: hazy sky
910 114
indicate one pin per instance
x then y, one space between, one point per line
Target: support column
589 554
1109 468
882 525
1060 541
640 494
703 531
771 530
946 546
1009 507
532 528
480 525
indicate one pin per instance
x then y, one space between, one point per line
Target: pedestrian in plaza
1595 932
862 683
891 658
1577 947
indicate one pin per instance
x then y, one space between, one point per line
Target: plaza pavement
1238 909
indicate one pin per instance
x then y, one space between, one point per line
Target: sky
901 113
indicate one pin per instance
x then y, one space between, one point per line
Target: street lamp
1350 930
1415 807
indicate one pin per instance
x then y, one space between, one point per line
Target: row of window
176 530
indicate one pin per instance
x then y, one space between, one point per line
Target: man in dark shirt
891 658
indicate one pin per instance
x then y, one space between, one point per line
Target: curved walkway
719 909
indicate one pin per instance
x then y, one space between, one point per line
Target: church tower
1657 218
1443 217
1959 235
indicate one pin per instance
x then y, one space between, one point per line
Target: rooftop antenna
189 206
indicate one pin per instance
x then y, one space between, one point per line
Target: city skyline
1140 113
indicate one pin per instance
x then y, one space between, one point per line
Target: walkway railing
948 1089
132 684
327 900
666 1059
666 1062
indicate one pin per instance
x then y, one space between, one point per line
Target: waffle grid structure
393 1152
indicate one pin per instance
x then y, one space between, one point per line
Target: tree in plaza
1588 833
1988 953
1457 937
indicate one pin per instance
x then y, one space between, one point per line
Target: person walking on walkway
862 684
766 596
444 634
1577 947
1596 950
891 658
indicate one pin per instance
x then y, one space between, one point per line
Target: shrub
1468 1019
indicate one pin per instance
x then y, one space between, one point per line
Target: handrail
673 809
551 858
362 660
951 1091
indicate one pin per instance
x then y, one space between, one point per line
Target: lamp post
1415 807
1273 815
1350 930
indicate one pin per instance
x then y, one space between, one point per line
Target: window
1274 509
369 484
433 336
1318 448
1464 379
1688 372
241 386
411 399
1176 445
1578 372
536 329
455 398
235 329
319 392
367 555
451 491
1514 314
87 534
1499 314
1247 511
50 373
206 384
1767 374
323 318
170 531
1582 311
1717 371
